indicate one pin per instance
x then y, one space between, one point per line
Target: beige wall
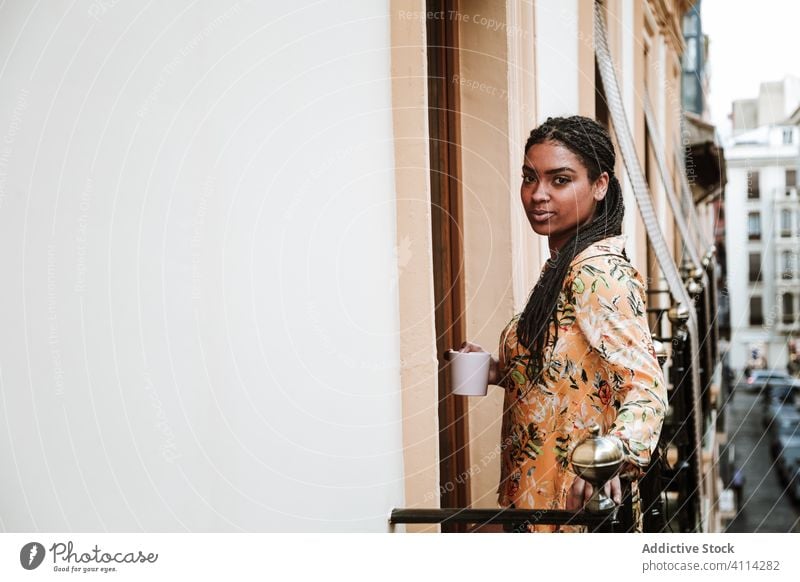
503 256
638 238
487 209
527 249
415 262
586 86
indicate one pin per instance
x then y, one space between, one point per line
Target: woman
581 352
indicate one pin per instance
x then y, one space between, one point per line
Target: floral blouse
602 369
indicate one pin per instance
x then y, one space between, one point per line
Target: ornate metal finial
687 266
694 287
597 459
709 256
678 313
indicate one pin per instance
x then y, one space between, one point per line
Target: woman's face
556 192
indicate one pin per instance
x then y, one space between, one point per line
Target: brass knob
709 256
678 313
694 287
673 456
687 266
597 459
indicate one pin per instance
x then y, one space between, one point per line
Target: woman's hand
581 491
494 365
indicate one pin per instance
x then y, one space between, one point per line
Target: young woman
581 352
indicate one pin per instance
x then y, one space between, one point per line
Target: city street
765 507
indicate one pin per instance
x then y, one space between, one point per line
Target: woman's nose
539 194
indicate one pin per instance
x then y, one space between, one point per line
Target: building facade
237 253
763 220
498 86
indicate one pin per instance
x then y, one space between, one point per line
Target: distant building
763 228
775 103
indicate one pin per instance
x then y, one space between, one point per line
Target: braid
591 143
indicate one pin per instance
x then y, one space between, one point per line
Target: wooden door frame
447 240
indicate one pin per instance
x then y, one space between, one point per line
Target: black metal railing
513 520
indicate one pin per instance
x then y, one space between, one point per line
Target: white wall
199 329
556 23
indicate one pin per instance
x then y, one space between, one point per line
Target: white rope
689 240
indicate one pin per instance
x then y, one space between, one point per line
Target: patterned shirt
602 369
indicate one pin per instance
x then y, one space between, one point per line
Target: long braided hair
590 142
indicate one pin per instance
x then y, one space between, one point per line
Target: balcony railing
514 520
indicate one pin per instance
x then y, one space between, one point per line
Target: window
690 22
787 265
689 90
787 136
754 226
756 311
791 178
753 192
786 223
690 56
755 267
788 308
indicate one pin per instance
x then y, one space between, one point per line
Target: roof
757 136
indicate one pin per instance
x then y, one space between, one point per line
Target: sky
749 42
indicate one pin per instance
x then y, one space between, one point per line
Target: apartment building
763 219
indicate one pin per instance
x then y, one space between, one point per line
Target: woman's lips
541 216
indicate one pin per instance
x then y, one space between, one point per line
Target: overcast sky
749 42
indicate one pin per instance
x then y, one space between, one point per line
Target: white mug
469 372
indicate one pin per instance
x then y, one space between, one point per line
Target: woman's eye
561 180
528 179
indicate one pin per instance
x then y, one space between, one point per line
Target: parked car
779 395
788 456
794 484
785 424
757 379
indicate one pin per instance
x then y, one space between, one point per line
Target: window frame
785 222
788 316
753 186
756 322
751 276
754 233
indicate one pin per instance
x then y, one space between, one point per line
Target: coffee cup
469 372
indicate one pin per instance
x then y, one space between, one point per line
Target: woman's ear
600 187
